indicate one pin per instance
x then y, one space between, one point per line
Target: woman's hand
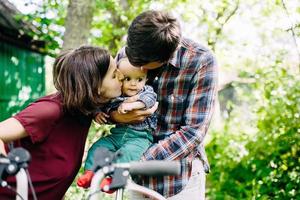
134 116
101 118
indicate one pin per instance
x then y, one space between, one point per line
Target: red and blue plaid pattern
186 89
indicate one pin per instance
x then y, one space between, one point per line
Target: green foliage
256 154
210 18
112 18
48 18
262 163
109 26
279 134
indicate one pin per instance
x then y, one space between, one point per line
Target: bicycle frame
22 185
130 185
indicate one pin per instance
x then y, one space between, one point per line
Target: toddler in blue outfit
131 140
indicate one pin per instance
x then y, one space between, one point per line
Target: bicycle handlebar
145 168
155 168
104 166
14 164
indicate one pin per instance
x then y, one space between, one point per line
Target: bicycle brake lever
20 156
102 157
119 178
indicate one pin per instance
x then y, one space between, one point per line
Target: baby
131 140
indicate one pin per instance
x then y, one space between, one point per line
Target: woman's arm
10 130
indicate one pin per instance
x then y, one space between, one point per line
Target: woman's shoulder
55 98
48 107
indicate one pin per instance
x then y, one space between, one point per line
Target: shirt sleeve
148 96
113 105
39 118
197 116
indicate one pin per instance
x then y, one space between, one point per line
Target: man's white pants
194 190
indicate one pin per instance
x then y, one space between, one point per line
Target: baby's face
134 78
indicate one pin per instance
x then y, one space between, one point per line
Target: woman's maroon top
56 143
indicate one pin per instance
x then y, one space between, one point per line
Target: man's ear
144 70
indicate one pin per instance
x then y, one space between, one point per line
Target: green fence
22 78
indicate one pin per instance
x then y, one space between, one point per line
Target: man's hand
101 118
134 116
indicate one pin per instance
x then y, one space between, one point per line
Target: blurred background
253 141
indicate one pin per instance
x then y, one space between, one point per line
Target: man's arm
196 117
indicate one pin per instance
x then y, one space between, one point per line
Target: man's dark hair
153 36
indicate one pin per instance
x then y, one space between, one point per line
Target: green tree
263 164
255 155
107 27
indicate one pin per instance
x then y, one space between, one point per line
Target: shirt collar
173 61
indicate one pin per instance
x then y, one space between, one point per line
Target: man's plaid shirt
186 89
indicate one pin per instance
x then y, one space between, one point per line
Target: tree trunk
78 23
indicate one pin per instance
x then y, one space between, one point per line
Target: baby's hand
124 108
101 118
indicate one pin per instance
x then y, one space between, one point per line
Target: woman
54 128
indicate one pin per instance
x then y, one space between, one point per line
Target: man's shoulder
195 55
194 47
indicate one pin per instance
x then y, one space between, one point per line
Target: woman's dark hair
152 36
77 75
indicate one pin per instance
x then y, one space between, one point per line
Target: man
184 76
